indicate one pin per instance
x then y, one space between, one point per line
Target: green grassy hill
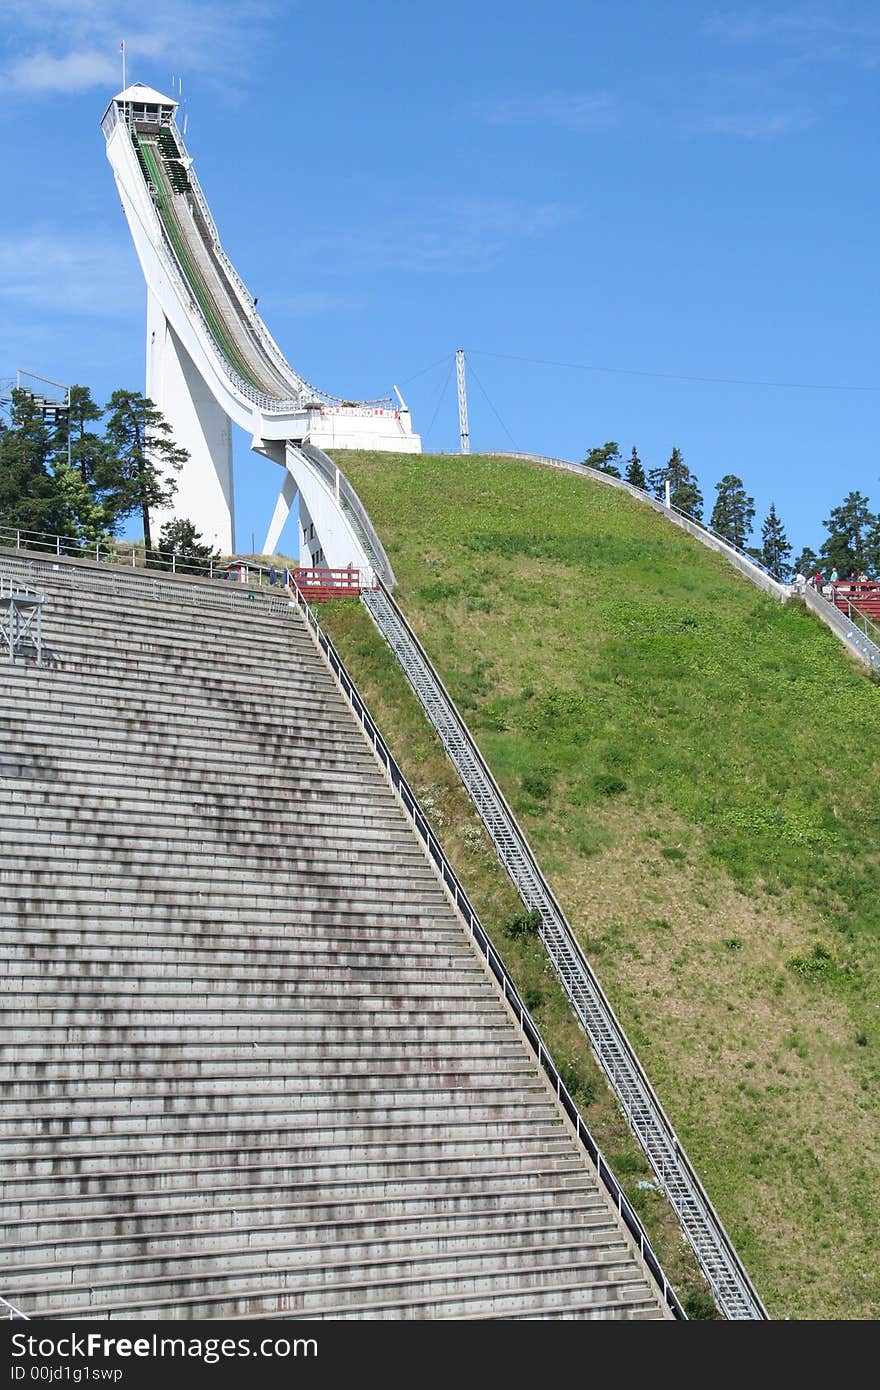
698 770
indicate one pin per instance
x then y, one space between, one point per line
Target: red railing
319 583
864 597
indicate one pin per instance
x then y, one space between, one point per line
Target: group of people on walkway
818 581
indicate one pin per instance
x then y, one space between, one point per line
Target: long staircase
252 1065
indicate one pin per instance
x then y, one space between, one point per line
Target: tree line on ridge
852 545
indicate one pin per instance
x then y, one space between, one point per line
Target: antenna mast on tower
463 432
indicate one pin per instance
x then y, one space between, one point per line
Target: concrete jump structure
252 1063
210 358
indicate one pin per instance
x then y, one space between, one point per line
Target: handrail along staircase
463 905
730 1284
733 1290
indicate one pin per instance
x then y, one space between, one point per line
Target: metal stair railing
11 1311
21 619
730 1284
855 629
865 624
462 903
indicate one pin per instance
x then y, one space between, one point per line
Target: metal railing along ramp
733 1290
855 629
454 888
746 563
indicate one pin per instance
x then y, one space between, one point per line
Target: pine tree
850 530
29 499
872 548
684 488
137 471
635 473
806 563
688 498
83 517
734 511
775 549
86 447
604 458
181 539
79 458
656 483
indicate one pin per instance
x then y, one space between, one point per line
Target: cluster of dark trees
82 472
852 545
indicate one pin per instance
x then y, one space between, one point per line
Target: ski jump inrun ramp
211 360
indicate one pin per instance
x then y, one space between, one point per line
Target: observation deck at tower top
144 103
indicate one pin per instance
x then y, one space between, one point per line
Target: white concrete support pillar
286 498
204 485
310 549
326 525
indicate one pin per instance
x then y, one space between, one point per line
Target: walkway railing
133 555
321 582
731 1286
72 573
461 901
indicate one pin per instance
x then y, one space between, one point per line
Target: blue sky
661 191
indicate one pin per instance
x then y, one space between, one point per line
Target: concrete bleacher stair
251 1063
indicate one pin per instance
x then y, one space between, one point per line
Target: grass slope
698 769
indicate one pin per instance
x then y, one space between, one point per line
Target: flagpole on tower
122 51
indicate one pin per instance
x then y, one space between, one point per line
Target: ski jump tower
211 360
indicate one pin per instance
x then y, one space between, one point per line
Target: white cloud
73 45
87 275
465 233
760 125
582 111
314 303
74 72
566 110
807 32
